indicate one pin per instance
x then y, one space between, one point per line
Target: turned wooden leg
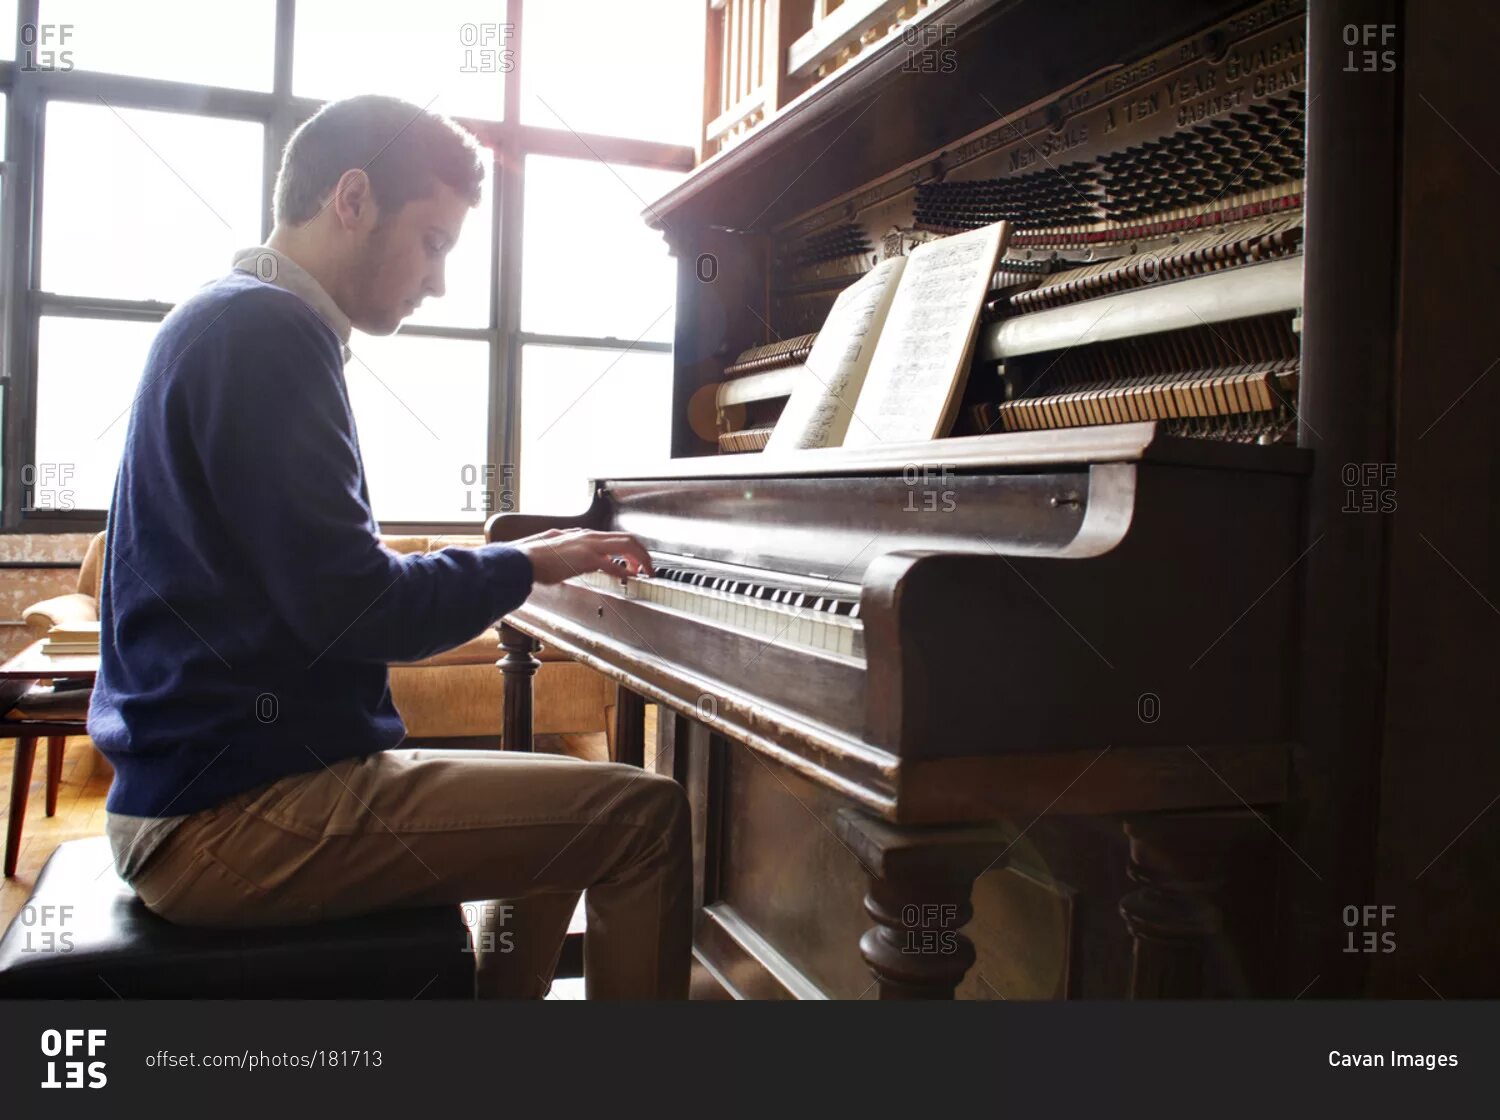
20 786
55 745
919 899
1179 862
519 666
630 727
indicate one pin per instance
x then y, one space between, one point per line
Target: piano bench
85 935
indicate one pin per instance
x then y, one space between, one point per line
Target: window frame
279 111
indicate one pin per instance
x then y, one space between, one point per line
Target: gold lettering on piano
1211 106
1131 76
1039 151
1266 84
1137 109
1191 86
1241 64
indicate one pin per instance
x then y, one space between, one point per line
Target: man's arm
269 419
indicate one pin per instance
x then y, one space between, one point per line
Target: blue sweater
247 607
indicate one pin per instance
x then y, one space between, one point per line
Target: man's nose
435 285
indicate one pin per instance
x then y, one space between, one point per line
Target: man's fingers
627 548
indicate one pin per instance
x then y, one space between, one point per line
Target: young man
249 611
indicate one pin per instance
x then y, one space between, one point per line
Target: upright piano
1092 696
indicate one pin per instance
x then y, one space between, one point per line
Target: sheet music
821 406
917 372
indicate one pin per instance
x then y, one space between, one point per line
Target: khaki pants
521 833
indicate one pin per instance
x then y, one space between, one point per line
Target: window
581 210
421 408
145 205
183 193
89 372
586 411
179 40
445 55
144 150
637 72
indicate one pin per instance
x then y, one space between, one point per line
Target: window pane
586 412
450 59
610 68
88 371
591 267
466 273
421 407
179 40
139 204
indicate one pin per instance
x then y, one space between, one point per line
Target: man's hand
560 554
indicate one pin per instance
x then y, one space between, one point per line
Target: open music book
890 362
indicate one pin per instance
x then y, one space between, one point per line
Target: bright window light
616 69
88 373
449 56
181 40
590 266
421 411
587 412
139 204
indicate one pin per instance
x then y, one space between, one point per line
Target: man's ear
353 203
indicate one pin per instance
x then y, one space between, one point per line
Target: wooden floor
80 812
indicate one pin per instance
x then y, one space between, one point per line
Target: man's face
402 259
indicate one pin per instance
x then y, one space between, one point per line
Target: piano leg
518 666
920 883
1174 916
630 727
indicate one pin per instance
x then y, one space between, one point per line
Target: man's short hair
403 148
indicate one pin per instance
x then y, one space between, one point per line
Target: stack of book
72 638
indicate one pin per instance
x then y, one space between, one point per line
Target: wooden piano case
1172 763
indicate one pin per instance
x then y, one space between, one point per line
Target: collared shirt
275 267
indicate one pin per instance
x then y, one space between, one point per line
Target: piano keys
812 614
